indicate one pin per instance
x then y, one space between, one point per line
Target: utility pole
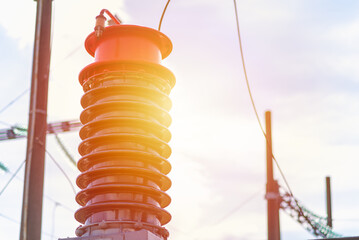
272 189
329 202
36 140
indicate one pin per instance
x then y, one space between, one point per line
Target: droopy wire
163 13
252 100
58 166
12 177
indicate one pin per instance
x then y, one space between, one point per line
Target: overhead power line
203 227
53 221
13 101
69 209
251 96
15 132
62 170
12 177
46 196
163 14
255 109
58 166
245 70
313 223
17 222
9 218
64 149
239 206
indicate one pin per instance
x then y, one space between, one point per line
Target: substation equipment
125 138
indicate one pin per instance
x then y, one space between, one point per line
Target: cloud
19 24
70 18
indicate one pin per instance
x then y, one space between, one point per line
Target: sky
302 62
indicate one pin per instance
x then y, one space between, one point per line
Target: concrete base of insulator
136 235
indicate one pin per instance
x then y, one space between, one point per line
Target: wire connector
100 25
101 20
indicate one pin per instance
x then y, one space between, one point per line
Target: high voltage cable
282 174
22 132
64 149
62 170
72 52
12 177
58 166
53 220
24 92
60 204
253 104
251 97
317 225
14 100
9 218
17 222
192 232
245 70
238 207
28 89
55 202
314 225
163 13
46 196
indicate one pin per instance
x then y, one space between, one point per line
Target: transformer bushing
124 138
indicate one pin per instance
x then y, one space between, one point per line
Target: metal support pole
329 202
35 154
272 190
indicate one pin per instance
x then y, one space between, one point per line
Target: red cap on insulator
129 42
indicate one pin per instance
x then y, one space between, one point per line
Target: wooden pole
329 202
31 217
272 190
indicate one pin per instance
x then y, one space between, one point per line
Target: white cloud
70 18
19 22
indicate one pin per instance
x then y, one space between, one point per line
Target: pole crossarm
313 223
16 132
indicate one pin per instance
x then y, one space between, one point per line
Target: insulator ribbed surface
124 148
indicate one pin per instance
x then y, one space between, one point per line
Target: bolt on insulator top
101 21
100 25
124 138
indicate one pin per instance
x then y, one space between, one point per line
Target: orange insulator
124 138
